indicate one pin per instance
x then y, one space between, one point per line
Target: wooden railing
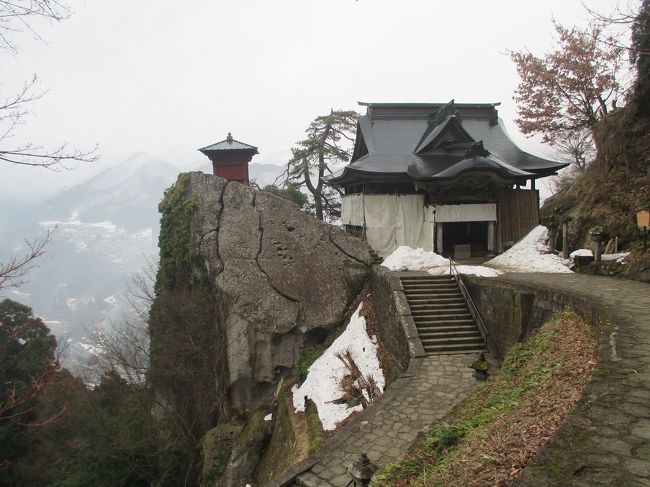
453 272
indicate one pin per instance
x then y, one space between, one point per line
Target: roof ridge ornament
441 114
477 150
229 139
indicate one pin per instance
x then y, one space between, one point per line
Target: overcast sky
167 77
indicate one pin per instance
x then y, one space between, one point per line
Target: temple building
230 159
439 176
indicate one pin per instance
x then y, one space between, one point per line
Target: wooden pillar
490 238
565 239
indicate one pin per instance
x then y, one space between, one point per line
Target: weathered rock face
282 278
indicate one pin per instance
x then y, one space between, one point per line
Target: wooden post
490 239
565 239
439 238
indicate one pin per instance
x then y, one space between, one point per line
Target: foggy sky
167 77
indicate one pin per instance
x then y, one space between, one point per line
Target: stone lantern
362 471
596 234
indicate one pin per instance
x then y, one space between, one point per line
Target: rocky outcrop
281 278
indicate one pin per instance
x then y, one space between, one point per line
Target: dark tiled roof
229 144
406 140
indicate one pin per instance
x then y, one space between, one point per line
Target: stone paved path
604 442
426 393
606 439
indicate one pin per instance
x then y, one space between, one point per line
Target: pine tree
329 141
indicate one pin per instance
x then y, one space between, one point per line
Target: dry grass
509 418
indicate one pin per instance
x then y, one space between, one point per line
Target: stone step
435 322
452 340
460 307
456 328
453 349
425 277
428 315
431 289
446 333
435 294
417 284
308 479
436 301
441 313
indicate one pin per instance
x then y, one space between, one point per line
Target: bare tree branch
12 273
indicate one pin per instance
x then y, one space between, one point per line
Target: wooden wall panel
517 214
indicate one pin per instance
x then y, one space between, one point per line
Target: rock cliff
279 280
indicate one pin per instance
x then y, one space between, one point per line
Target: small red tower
230 159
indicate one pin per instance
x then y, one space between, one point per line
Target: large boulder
282 278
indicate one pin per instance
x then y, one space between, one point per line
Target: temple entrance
465 240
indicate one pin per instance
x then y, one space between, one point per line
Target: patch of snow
581 253
531 254
74 304
323 382
19 293
619 258
90 348
268 417
405 258
477 270
111 300
145 233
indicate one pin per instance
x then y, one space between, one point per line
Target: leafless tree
13 272
16 16
576 147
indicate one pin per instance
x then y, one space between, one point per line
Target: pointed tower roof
228 144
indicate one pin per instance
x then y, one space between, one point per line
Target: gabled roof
229 144
449 131
427 140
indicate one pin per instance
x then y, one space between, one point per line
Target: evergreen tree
28 364
329 141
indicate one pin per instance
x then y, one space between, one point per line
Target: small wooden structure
439 176
230 159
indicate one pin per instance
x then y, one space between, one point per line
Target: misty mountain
104 231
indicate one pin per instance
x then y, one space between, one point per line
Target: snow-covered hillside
105 230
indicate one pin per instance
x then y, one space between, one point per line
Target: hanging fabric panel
410 225
381 211
466 213
352 210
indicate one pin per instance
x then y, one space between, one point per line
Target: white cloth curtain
381 213
391 220
466 213
352 210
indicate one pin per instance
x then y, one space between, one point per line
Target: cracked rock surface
283 278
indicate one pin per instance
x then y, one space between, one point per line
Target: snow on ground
323 382
477 270
530 254
581 253
405 258
619 258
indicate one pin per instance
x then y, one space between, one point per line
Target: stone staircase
441 315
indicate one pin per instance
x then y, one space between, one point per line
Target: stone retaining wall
396 326
605 439
511 312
